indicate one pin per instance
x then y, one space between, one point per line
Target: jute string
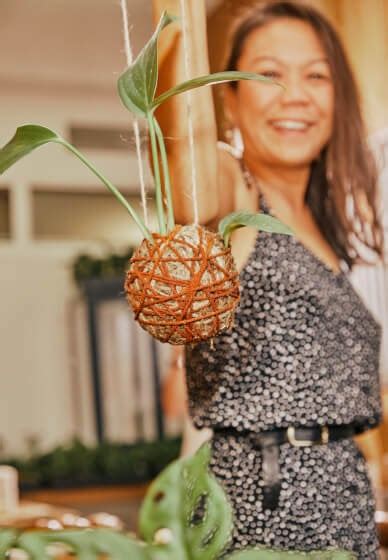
136 128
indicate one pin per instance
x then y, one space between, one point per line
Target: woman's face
284 127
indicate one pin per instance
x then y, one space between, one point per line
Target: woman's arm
172 116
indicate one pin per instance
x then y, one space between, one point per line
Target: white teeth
290 125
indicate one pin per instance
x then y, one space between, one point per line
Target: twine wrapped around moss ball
183 288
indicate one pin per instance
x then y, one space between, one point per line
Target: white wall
35 276
68 43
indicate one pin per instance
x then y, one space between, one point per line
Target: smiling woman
286 389
315 71
294 123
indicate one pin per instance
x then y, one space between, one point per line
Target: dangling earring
235 141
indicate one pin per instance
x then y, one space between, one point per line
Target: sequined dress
303 352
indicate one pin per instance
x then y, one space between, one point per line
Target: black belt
269 441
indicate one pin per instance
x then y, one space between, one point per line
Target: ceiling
68 43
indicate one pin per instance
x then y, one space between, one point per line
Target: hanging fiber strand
136 128
189 105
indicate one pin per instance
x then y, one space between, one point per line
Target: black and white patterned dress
303 352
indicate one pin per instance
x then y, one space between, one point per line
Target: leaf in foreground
26 139
137 85
210 79
261 221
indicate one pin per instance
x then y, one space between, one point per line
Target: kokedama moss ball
183 288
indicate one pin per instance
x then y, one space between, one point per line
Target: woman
297 377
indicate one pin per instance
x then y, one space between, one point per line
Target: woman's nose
294 91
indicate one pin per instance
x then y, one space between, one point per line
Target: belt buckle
307 442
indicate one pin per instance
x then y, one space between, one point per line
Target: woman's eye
317 76
270 73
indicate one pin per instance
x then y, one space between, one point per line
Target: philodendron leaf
87 544
7 540
119 547
137 85
35 544
26 139
90 544
190 507
267 554
82 542
210 79
262 222
31 136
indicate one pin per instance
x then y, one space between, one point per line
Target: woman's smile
289 125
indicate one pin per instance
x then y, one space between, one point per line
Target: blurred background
72 362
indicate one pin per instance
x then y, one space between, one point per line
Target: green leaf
187 500
35 544
137 85
262 222
210 79
87 544
81 541
267 554
7 540
254 554
26 139
118 546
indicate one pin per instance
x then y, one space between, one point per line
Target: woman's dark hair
342 191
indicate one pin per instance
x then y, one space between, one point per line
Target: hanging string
189 106
136 128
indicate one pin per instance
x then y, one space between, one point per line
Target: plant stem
166 175
145 231
158 183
